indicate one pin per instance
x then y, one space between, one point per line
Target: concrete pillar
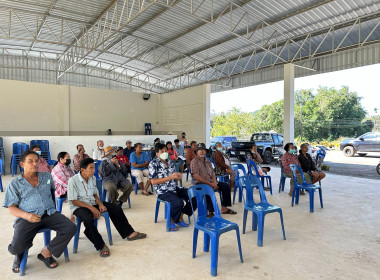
288 103
207 105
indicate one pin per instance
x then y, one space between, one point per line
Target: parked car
225 140
269 145
368 142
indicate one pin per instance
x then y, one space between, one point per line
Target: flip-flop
47 261
230 211
173 227
16 263
104 249
182 224
139 235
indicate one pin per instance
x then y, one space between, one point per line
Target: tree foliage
326 114
234 122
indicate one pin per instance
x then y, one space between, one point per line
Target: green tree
333 113
234 122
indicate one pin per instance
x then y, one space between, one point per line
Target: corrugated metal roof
207 41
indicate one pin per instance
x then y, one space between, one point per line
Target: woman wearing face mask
256 158
287 159
165 180
223 164
61 174
43 166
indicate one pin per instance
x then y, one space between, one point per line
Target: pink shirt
43 166
61 175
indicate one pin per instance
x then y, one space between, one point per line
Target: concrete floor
340 241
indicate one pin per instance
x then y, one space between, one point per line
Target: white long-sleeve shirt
98 154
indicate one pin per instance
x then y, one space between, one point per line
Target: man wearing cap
203 173
114 175
99 151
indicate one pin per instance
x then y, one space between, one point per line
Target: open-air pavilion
71 70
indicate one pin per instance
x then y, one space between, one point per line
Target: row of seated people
34 208
28 198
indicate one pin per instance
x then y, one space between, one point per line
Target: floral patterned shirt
288 159
159 170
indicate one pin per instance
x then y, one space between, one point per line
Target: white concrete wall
68 143
43 109
186 110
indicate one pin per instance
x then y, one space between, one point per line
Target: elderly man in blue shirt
29 198
164 178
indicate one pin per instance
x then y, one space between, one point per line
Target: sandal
173 227
230 211
139 235
16 263
105 249
47 261
182 224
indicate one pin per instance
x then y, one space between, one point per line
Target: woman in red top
123 159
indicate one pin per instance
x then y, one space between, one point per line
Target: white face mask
38 152
164 156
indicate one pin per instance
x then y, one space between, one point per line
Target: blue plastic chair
212 227
1 181
19 148
259 210
237 167
106 219
60 202
187 173
148 129
304 186
2 157
43 144
168 207
97 165
263 178
282 179
47 237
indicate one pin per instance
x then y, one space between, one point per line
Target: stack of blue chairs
148 129
2 155
44 146
18 149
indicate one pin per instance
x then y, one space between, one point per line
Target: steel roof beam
251 30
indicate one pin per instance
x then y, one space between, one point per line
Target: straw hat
108 150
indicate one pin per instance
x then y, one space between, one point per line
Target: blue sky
363 80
